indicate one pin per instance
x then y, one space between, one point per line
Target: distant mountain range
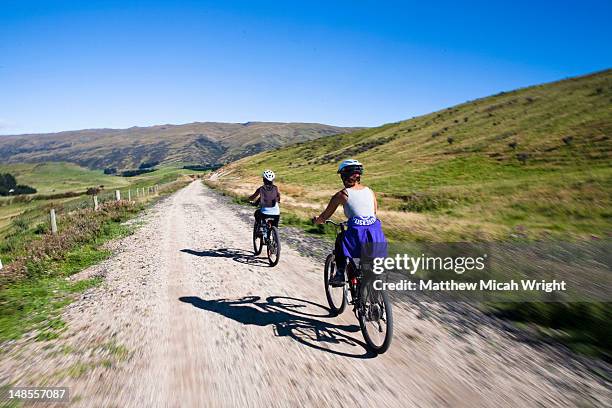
195 143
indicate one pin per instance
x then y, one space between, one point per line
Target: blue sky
89 64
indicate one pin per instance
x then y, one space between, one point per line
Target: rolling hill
195 143
533 162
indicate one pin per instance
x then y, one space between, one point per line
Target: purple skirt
365 241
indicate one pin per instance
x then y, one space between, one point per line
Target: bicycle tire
328 272
256 237
381 298
273 245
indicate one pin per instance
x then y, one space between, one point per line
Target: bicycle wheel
273 247
375 318
336 296
257 240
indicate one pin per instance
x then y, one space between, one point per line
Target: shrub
148 165
8 183
20 224
23 189
568 140
450 140
203 167
93 191
132 173
512 145
522 157
41 228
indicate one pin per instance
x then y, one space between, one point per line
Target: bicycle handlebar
337 224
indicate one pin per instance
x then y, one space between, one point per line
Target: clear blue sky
83 64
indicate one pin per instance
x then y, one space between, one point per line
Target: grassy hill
197 143
55 178
534 162
52 180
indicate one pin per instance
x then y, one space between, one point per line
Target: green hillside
533 162
53 178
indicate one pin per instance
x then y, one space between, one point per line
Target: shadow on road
289 317
238 255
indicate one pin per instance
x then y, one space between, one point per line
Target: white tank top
360 203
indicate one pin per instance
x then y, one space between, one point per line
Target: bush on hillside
522 157
132 173
8 183
203 167
148 165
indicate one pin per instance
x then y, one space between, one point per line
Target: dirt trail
187 317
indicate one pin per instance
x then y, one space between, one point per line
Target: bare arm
338 198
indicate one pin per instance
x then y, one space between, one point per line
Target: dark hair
345 176
267 182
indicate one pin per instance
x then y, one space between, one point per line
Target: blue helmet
350 166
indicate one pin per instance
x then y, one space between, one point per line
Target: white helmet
269 175
350 165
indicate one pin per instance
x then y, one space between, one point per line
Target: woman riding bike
268 198
364 232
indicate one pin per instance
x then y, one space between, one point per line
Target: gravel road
186 316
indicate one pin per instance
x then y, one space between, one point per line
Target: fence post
95 202
129 194
53 221
0 264
117 195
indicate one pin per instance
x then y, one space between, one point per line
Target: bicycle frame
353 270
267 224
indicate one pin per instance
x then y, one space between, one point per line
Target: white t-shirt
271 210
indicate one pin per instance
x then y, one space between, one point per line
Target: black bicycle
265 233
371 307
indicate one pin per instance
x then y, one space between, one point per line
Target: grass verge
34 286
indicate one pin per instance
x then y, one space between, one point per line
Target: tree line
9 186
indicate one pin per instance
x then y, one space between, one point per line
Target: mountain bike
265 233
371 307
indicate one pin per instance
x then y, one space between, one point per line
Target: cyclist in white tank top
360 204
364 229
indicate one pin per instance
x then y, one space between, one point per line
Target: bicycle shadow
238 255
288 320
